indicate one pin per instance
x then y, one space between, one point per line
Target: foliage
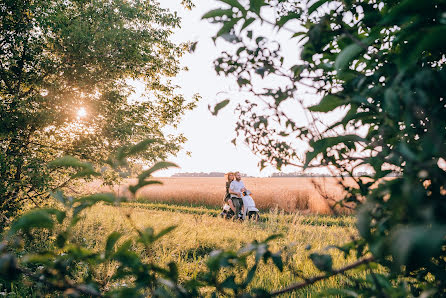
60 56
379 68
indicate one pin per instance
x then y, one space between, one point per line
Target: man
236 189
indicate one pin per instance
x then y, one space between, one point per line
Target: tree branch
321 277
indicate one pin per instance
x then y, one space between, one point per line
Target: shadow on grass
200 252
265 216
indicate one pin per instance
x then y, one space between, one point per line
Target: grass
199 231
309 219
294 207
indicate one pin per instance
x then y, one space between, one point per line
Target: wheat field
303 194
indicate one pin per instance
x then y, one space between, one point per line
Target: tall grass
198 234
287 194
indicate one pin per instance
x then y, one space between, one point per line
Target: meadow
296 208
199 231
312 195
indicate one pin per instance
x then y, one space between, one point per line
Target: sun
81 112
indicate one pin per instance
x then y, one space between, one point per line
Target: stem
315 279
67 284
375 280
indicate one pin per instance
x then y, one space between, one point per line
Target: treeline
202 174
300 174
279 174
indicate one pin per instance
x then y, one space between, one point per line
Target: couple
237 196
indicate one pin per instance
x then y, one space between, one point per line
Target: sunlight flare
81 112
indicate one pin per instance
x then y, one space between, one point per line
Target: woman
230 177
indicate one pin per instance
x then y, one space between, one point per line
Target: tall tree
67 77
380 66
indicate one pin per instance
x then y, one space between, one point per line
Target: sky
209 137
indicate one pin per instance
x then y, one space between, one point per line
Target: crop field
307 195
199 231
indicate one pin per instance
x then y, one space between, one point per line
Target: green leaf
347 55
75 220
391 102
140 147
260 293
39 218
89 201
60 215
272 237
328 104
156 167
61 239
406 151
134 188
41 258
322 262
337 293
429 42
85 173
217 13
285 19
250 275
229 283
242 81
220 106
404 8
164 232
322 145
301 34
382 280
234 3
227 26
247 23
415 245
277 260
128 151
127 257
256 5
110 244
95 198
363 220
173 271
8 267
316 5
352 114
69 161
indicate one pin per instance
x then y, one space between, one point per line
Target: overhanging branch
315 279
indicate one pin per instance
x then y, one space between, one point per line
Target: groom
236 189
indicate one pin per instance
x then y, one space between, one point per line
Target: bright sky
209 137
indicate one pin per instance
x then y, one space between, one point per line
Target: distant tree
381 66
66 71
202 174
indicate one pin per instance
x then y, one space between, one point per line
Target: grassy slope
199 231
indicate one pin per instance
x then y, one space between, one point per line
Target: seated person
248 203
